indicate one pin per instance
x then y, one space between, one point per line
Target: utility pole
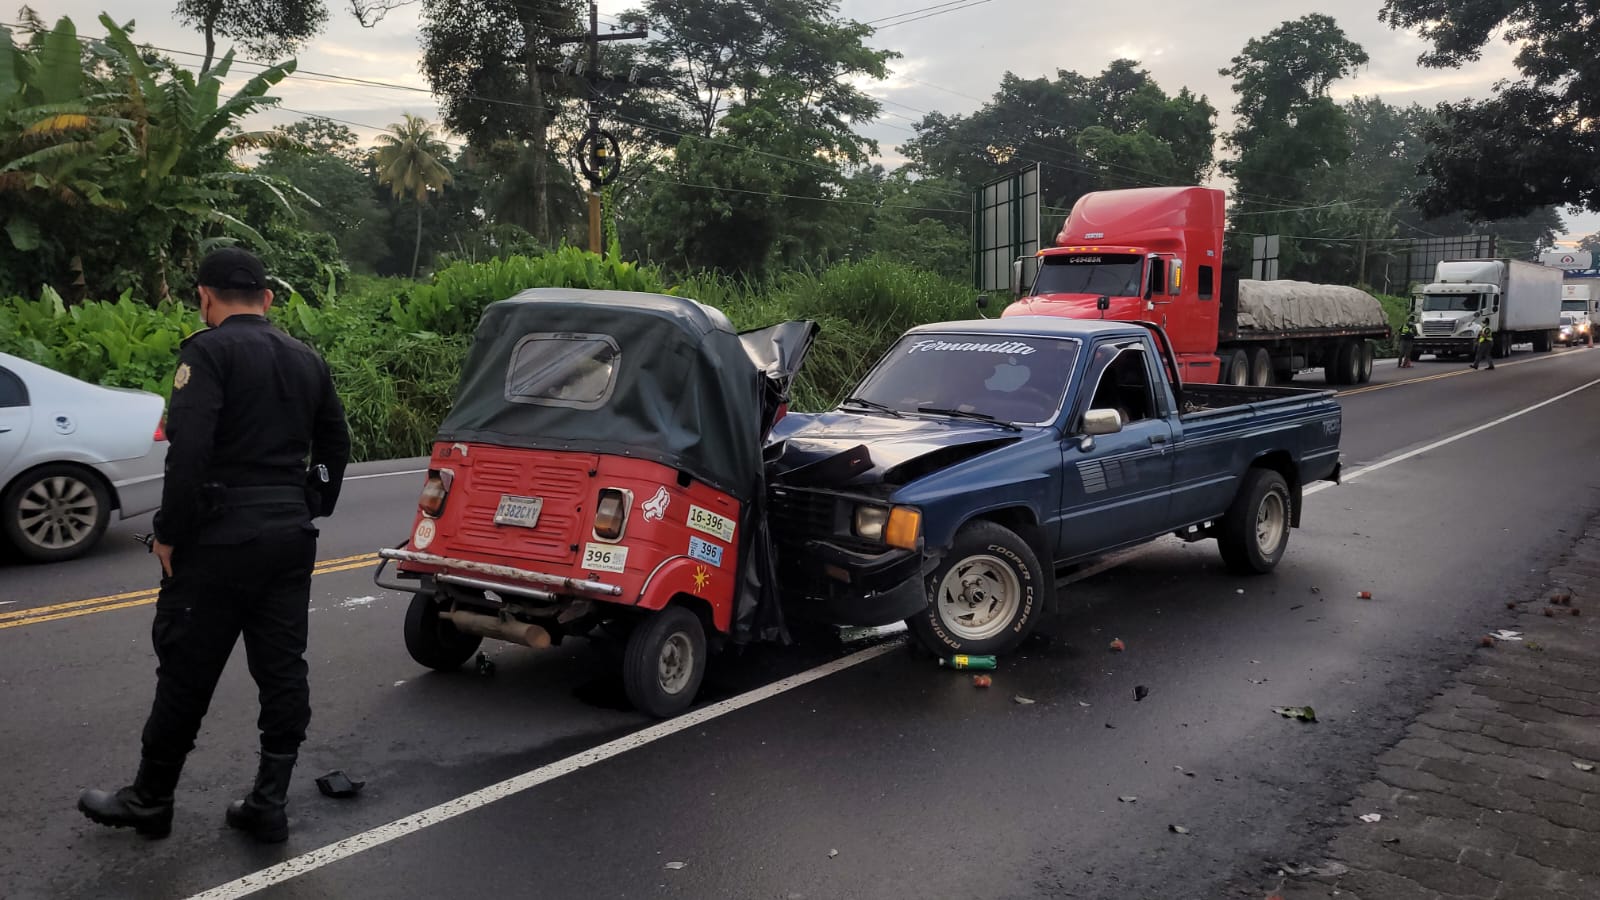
599 157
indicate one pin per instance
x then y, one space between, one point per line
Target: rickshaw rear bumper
864 589
503 579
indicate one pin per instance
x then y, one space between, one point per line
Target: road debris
1506 634
339 785
675 866
1561 598
1371 818
1239 591
1117 646
1140 692
832 853
1550 612
1177 829
1315 589
982 681
1328 869
1363 595
1511 604
485 664
1127 799
1535 646
1583 766
1302 713
1486 641
1257 680
1576 611
969 662
1022 701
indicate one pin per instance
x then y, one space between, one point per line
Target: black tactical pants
261 589
1485 354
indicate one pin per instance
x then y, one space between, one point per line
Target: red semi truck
1155 254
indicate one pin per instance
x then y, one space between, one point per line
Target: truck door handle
1158 439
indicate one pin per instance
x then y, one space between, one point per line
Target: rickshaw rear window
576 370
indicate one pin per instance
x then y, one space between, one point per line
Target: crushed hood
839 448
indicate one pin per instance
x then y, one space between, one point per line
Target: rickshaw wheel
433 642
665 662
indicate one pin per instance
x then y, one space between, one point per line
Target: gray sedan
71 453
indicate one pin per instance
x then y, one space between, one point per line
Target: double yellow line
38 614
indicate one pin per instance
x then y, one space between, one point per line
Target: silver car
71 453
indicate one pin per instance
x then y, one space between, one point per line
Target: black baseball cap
232 269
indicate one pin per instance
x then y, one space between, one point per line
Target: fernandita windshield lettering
1010 348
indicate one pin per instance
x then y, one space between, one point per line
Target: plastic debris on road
339 785
1486 641
1022 701
1127 799
1583 766
1140 692
832 853
849 635
1117 646
1370 818
982 681
1177 829
1363 595
1507 635
1302 713
675 866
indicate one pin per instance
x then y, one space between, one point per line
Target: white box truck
1580 313
1520 300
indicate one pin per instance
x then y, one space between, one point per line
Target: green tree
271 29
323 161
1591 244
1536 141
1290 134
493 65
409 161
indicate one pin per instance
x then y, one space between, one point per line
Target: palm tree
408 162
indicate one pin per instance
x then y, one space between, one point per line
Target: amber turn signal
434 492
904 529
611 514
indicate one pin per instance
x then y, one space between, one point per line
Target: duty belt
264 495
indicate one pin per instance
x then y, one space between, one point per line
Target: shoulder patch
181 378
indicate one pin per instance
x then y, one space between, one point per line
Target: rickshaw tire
642 661
433 642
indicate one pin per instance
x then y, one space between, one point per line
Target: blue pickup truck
977 459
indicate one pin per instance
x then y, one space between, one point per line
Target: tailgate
559 481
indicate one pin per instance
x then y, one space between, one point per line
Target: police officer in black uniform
257 449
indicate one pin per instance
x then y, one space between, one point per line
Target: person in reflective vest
1485 346
1408 334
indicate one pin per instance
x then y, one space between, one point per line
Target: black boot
145 806
262 812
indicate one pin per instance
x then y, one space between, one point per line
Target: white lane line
384 474
383 834
1400 458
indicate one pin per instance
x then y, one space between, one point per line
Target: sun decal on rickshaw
702 577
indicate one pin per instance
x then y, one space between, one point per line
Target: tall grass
395 347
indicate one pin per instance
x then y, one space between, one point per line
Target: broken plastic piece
832 853
982 681
1370 818
339 785
1303 713
1364 595
1140 692
676 865
1117 646
1583 766
1022 701
1128 799
1177 829
1505 634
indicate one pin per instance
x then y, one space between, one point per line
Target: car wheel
665 662
1255 532
434 642
55 512
985 597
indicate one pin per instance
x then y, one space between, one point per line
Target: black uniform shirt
250 406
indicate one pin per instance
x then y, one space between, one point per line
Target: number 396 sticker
705 551
605 558
704 520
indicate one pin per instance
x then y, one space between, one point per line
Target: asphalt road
924 785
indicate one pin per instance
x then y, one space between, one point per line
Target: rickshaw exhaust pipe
492 627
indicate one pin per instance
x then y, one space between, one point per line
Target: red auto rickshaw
602 466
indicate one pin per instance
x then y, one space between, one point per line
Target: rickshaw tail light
611 514
434 492
904 529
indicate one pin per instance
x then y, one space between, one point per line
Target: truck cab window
1125 386
1109 274
1206 285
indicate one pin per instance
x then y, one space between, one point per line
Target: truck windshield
1013 379
1111 274
1451 302
1574 306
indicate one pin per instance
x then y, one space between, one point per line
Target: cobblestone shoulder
1494 792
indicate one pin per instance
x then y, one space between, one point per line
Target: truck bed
1210 399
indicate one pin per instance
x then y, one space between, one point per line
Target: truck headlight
899 526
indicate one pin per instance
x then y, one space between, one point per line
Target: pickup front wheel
985 597
1255 532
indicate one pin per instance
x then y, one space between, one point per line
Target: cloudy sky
949 60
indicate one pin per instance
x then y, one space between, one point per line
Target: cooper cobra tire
986 595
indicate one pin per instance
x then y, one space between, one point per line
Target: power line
735 190
935 11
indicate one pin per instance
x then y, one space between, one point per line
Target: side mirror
1103 304
1016 278
1101 421
983 301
